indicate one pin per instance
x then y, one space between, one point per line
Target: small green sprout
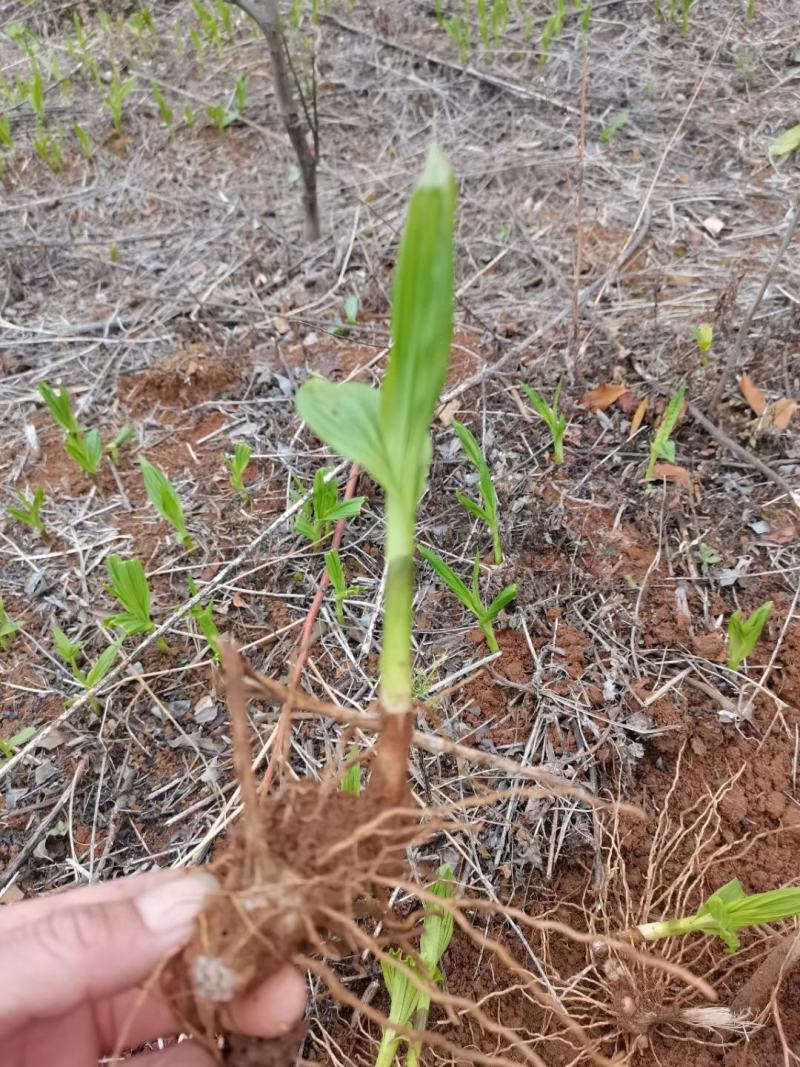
788 142
188 116
220 116
608 132
727 911
351 779
743 633
237 465
707 557
60 408
487 511
703 335
83 140
240 94
164 110
28 510
48 148
86 449
470 596
6 139
350 308
8 747
7 626
129 586
162 495
225 17
556 423
323 508
36 93
69 652
341 591
408 1005
662 447
118 92
122 437
204 617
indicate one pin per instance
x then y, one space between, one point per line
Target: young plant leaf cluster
549 413
409 1005
743 633
70 651
386 431
728 911
203 615
237 465
487 509
662 445
164 497
470 595
323 508
7 626
84 447
341 590
28 510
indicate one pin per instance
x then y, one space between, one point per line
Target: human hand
73 967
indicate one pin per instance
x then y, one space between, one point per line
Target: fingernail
170 910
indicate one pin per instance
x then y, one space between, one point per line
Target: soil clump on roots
303 863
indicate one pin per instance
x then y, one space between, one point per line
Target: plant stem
396 650
488 633
498 551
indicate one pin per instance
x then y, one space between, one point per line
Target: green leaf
788 142
422 326
661 445
347 418
67 650
703 335
304 527
351 779
351 309
345 509
60 408
471 506
617 122
500 601
164 498
451 580
103 665
438 922
129 586
333 565
743 633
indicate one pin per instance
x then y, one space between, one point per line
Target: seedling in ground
164 110
129 586
728 911
743 633
341 591
162 495
315 519
555 422
470 596
487 509
60 408
69 651
220 116
340 328
203 615
237 465
28 510
123 437
707 557
703 335
409 1005
387 432
7 626
662 446
86 449
118 92
9 746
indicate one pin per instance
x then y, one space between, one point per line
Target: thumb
88 951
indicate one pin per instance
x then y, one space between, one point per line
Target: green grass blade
451 579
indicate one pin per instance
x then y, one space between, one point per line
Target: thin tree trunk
266 15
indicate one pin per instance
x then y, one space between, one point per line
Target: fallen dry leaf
239 601
714 225
639 414
752 394
673 474
628 402
449 412
782 411
602 397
